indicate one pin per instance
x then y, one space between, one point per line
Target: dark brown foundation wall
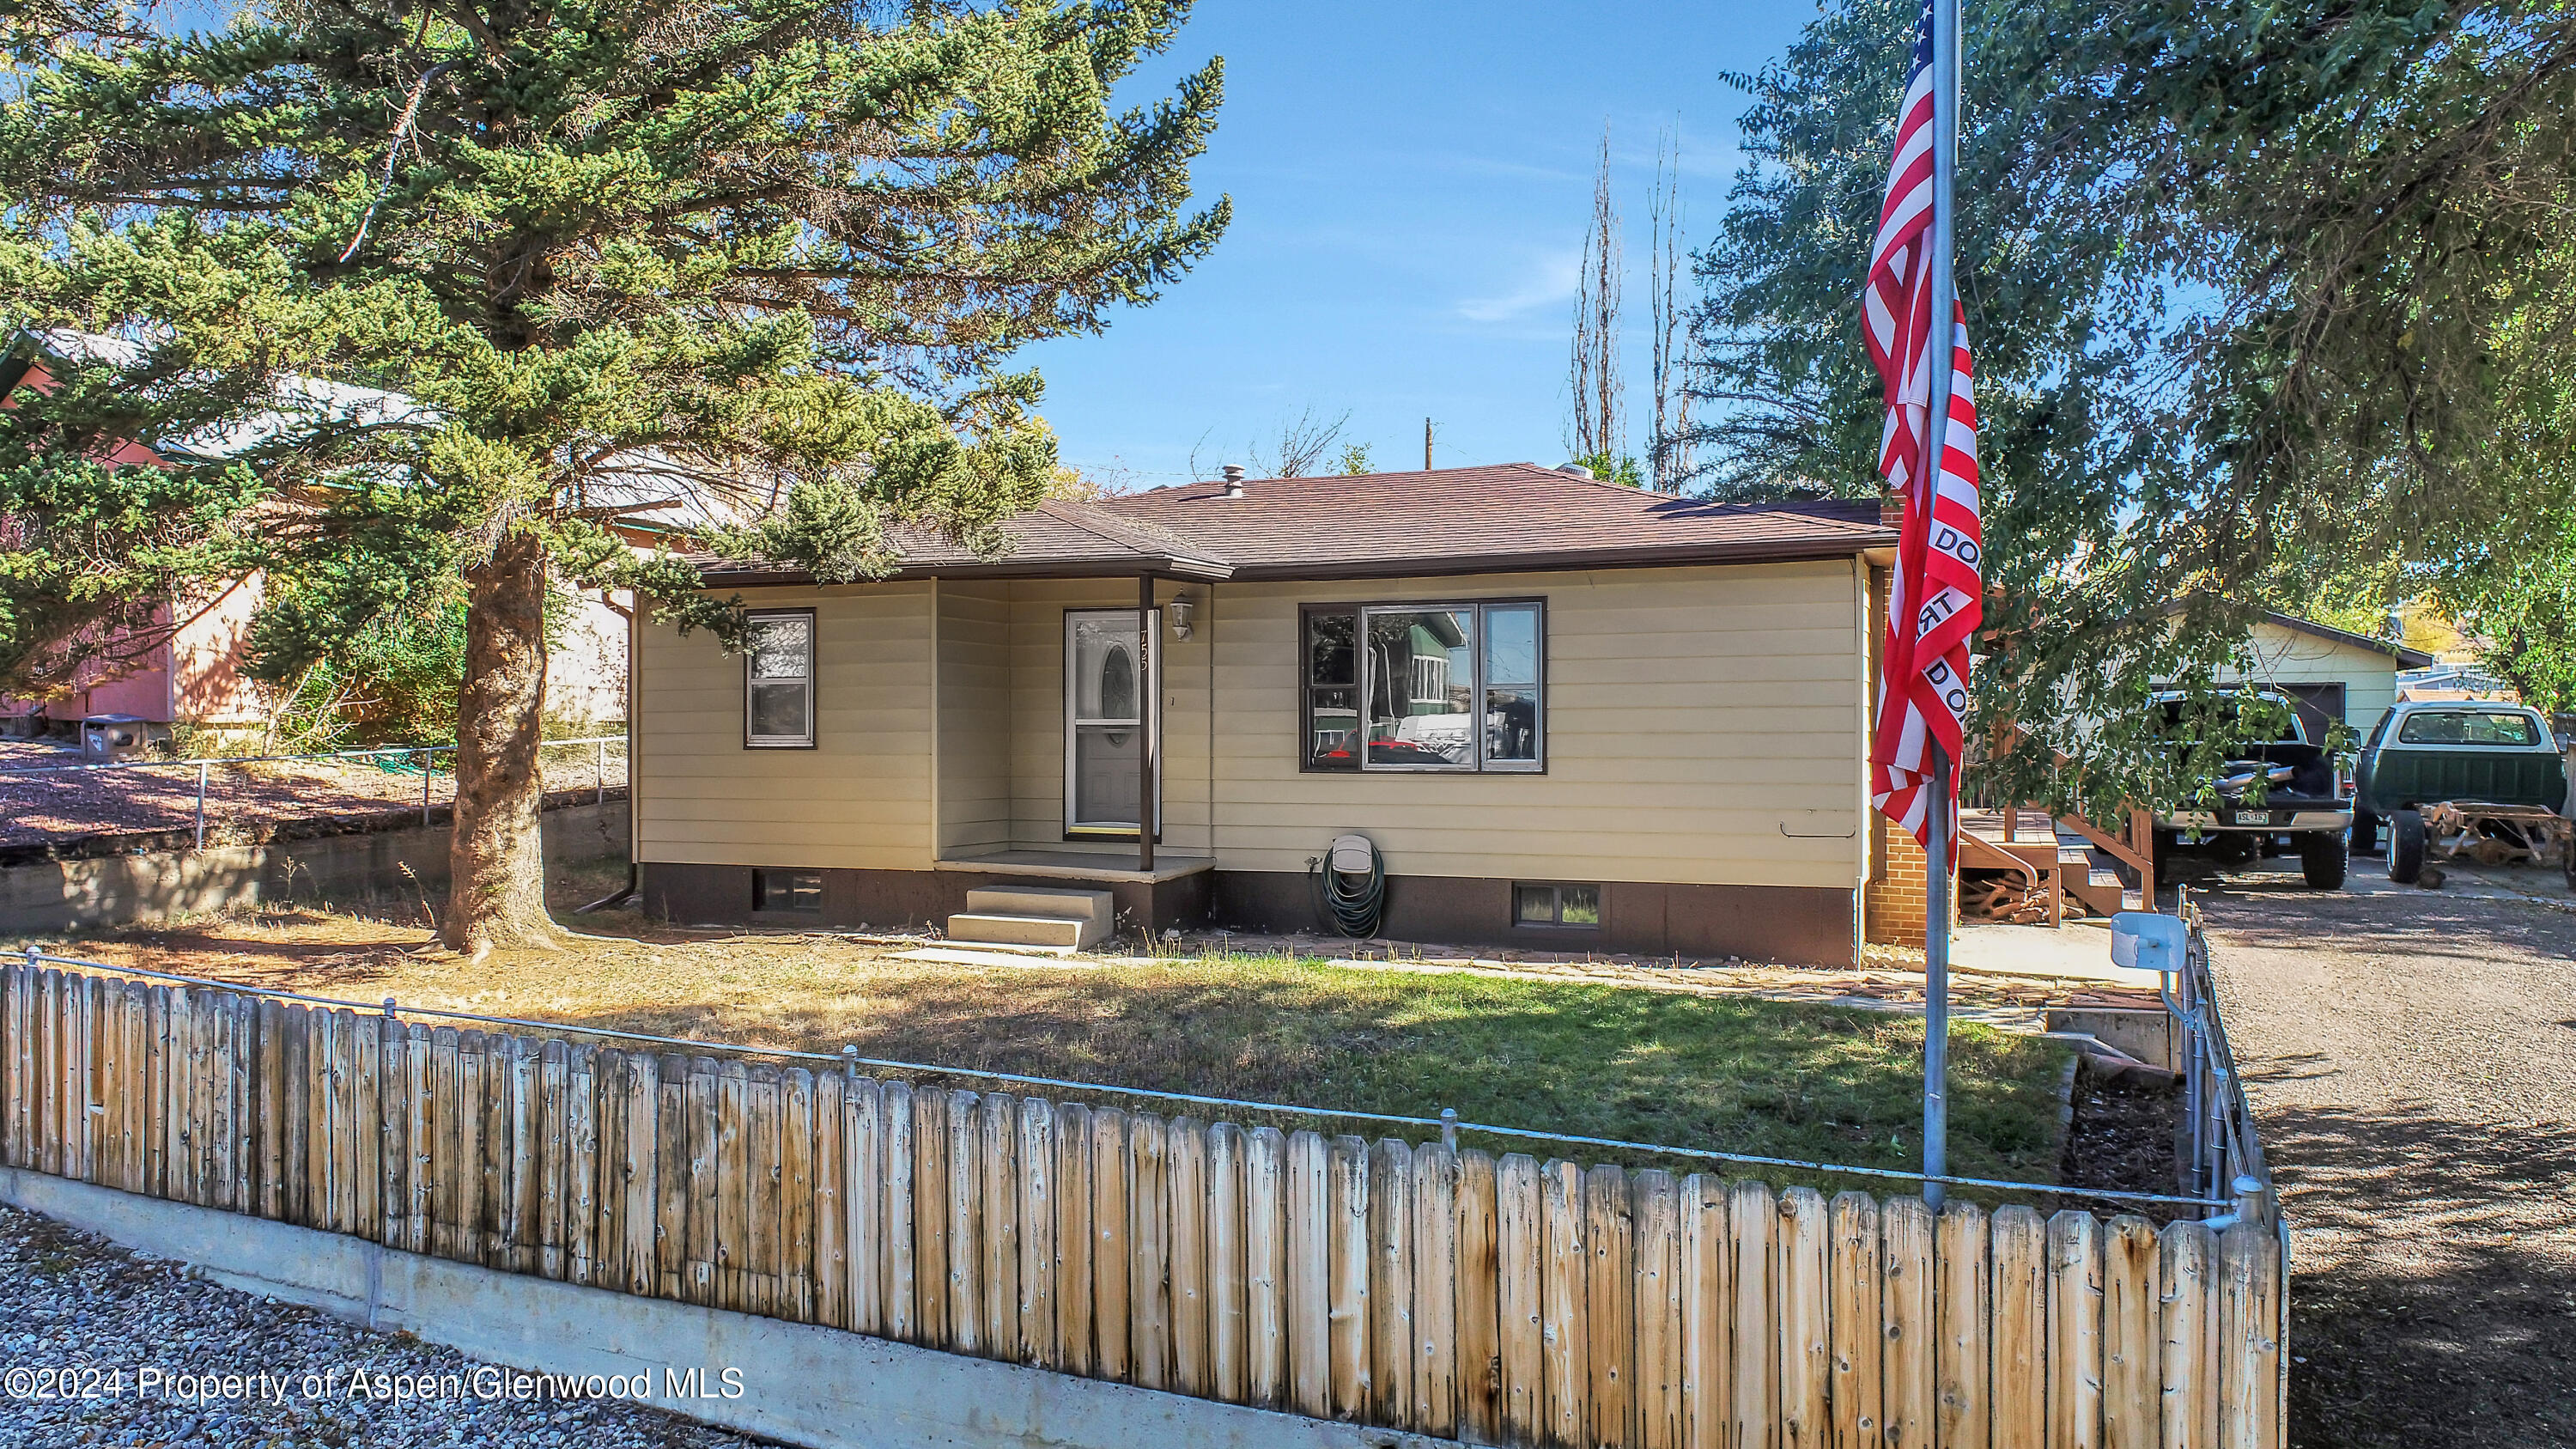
1804 925
720 895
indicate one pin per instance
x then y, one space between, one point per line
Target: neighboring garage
2334 675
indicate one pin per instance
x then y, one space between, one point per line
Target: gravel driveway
2412 1059
72 1301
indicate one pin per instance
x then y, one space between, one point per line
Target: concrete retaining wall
2146 1034
814 1386
345 870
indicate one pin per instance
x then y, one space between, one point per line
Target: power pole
1426 445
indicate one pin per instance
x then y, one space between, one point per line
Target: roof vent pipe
1577 469
1234 480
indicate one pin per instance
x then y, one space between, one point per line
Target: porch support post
1149 710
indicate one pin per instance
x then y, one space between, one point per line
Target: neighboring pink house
195 673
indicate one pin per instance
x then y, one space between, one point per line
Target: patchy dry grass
1735 1073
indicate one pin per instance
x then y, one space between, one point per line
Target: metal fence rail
404 759
2226 1154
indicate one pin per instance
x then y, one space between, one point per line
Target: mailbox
2148 941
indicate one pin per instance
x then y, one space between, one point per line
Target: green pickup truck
2483 773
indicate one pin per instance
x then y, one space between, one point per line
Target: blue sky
1411 183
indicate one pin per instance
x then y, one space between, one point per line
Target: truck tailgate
2505 777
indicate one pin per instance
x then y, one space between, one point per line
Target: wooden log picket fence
1501 1301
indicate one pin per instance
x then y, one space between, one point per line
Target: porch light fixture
1180 609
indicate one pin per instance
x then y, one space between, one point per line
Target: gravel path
72 1301
2412 1059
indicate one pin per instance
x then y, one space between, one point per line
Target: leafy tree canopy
762 261
1622 468
2262 296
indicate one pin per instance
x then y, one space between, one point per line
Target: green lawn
1731 1073
1735 1074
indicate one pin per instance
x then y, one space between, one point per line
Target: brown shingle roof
1380 525
1470 520
1053 540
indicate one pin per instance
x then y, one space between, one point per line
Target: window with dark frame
1578 906
778 680
800 891
1439 687
2469 727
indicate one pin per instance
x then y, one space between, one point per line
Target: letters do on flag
1935 600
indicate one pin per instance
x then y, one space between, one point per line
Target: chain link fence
228 799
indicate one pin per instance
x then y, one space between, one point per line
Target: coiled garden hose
1352 902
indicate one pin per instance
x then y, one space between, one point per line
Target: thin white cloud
1548 281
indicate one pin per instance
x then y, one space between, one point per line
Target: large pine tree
760 256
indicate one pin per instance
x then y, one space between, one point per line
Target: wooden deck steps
2056 854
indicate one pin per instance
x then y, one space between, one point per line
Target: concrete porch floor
1078 865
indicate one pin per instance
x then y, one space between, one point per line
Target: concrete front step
1000 930
1098 906
1050 918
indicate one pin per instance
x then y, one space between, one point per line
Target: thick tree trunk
497 895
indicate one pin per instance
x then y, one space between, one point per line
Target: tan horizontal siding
859 799
975 717
1693 716
1038 723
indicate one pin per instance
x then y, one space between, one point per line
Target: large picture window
778 680
1426 687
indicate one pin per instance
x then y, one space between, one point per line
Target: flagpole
1936 434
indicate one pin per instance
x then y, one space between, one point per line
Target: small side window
1557 905
800 891
778 680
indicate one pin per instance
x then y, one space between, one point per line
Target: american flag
1934 601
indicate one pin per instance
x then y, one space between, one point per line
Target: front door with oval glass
1104 720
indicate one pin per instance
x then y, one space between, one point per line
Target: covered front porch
1065 711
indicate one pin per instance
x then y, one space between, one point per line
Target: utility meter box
109 737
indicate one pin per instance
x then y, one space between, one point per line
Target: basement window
800 891
1557 905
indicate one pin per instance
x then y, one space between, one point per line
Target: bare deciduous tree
1297 451
1669 449
1594 373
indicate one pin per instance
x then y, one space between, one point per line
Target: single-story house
1569 715
2333 675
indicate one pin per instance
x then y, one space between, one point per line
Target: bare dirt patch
2122 1140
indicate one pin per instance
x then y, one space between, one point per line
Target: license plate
2254 817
